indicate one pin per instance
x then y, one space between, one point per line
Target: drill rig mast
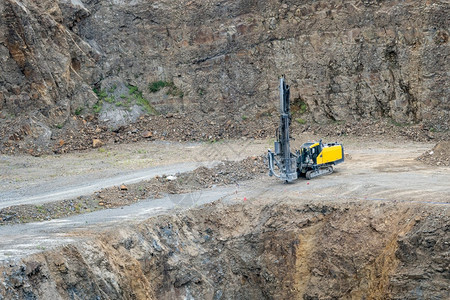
287 162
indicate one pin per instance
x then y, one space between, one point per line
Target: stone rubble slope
225 173
438 156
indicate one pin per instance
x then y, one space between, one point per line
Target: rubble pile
88 132
438 156
225 173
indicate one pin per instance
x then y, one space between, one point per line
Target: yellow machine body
330 154
316 158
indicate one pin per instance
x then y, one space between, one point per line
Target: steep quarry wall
252 251
346 60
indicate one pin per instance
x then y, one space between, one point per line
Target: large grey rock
121 107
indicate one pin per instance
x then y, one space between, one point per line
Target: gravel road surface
373 171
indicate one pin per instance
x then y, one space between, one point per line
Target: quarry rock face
273 251
345 61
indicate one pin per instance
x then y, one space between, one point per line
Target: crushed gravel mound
438 156
225 173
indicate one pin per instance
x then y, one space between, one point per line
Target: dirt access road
374 171
35 180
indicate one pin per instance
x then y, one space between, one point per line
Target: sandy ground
379 170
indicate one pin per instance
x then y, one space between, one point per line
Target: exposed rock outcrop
271 251
345 61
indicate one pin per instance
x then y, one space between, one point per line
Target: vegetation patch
158 85
201 91
137 96
97 107
126 101
298 107
78 111
172 90
110 99
398 124
113 88
300 121
101 95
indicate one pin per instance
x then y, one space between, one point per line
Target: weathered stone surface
147 134
281 250
38 74
347 61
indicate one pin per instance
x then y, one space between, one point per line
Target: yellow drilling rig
312 160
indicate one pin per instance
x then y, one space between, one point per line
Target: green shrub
398 124
134 95
113 88
303 107
132 89
140 100
298 107
173 90
97 107
78 111
145 104
101 94
111 99
300 121
158 85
